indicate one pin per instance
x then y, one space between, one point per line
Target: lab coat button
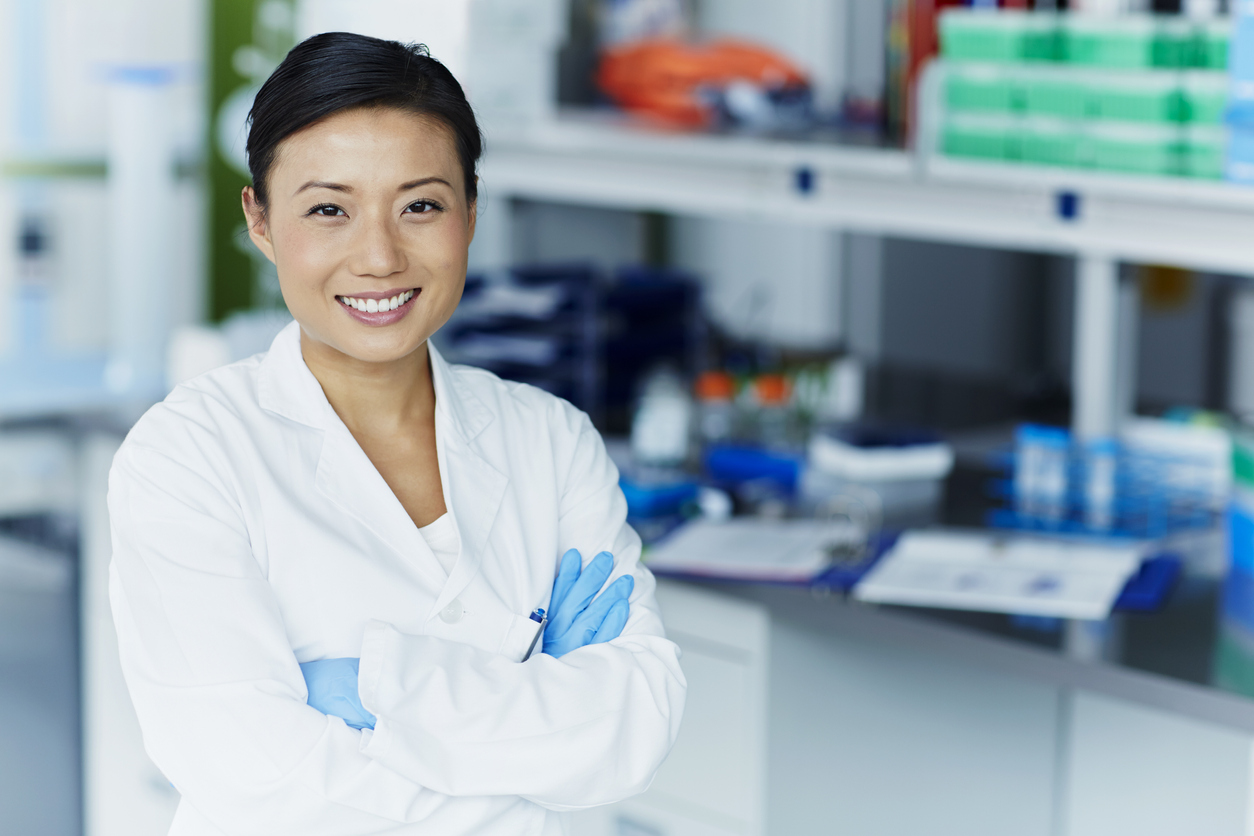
453 612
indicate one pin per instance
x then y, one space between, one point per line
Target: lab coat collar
473 487
287 387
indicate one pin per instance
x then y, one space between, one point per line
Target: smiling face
368 226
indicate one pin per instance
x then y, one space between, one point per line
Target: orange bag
670 80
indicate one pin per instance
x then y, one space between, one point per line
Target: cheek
450 248
302 258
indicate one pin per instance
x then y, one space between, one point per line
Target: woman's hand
332 685
575 619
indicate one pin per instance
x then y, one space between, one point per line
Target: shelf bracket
1102 380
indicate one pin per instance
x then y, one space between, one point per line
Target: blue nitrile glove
332 685
575 619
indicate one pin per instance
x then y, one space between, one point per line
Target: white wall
555 233
779 282
955 309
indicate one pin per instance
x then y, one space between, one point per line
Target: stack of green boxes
1140 94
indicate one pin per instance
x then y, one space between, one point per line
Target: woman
352 505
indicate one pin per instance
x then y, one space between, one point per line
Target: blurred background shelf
1141 219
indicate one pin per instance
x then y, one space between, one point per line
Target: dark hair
339 71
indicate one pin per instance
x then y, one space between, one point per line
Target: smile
376 305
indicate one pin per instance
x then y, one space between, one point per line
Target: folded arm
588 728
217 689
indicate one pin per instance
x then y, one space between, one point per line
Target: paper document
996 572
750 549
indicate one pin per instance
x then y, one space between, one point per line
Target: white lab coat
251 533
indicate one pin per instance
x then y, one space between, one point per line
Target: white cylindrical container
661 425
1100 487
141 199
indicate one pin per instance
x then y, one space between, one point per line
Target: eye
326 210
423 207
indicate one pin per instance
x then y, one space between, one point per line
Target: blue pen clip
541 619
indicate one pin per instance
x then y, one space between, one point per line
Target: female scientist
330 560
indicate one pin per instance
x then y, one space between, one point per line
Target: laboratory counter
1165 659
807 709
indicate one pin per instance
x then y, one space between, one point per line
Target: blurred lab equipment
502 51
716 408
1234 656
1042 461
725 81
662 425
897 476
44 373
776 424
994 572
578 334
536 325
141 185
1157 477
38 472
647 317
1241 112
1139 94
784 551
625 21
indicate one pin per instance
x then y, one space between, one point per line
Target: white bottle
660 427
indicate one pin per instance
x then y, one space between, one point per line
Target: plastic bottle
1100 470
716 409
775 429
660 427
1042 457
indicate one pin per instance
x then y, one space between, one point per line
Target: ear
474 213
258 227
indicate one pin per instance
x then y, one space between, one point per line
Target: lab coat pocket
522 640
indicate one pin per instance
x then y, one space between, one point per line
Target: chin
382 348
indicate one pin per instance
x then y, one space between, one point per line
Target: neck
373 397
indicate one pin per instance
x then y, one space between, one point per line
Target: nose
377 252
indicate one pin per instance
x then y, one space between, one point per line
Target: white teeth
377 305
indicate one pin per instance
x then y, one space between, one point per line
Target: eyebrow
340 187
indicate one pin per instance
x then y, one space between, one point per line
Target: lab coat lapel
344 475
473 488
347 477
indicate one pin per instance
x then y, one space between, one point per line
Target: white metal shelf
1137 219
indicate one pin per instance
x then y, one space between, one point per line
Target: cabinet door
713 783
1134 769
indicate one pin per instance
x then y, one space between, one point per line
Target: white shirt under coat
251 533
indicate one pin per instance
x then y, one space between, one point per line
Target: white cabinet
869 737
818 717
714 782
1142 771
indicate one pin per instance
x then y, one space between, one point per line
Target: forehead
366 144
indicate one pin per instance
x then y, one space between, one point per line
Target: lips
375 308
